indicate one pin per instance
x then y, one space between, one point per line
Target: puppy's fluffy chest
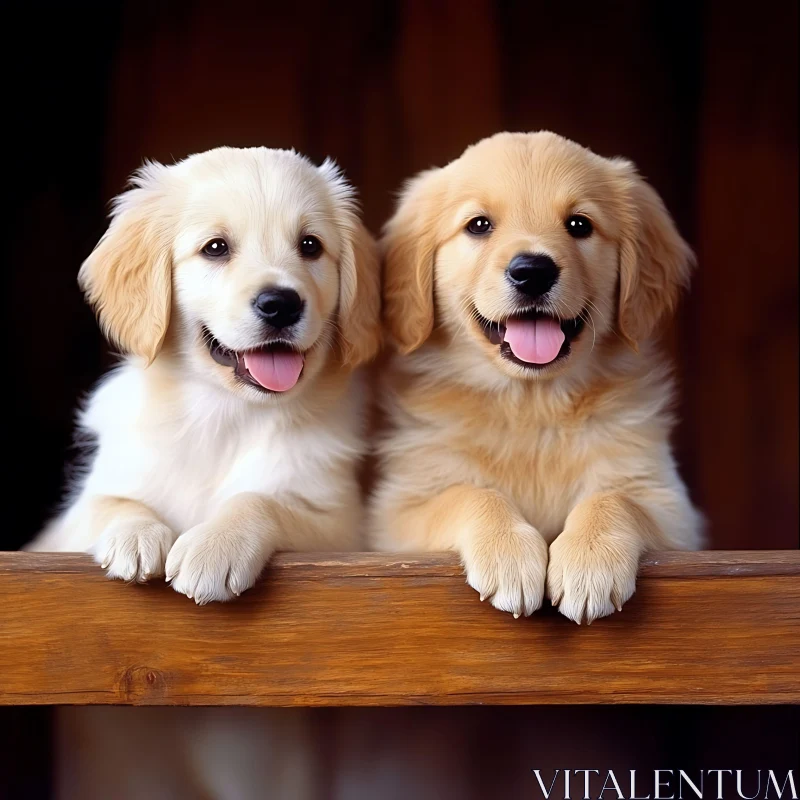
183 453
541 465
544 452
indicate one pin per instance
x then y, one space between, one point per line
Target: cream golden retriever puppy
245 290
528 407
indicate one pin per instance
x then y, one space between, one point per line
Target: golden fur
549 481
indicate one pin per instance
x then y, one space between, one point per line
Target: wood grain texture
372 629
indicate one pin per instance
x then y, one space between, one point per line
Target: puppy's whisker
602 316
557 308
468 314
591 304
590 322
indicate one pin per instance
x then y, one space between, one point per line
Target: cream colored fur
549 483
197 475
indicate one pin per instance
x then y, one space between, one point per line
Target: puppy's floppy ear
359 276
360 298
655 262
409 246
128 276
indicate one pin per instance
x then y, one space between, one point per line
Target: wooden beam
375 629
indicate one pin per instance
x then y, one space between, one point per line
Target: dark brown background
702 95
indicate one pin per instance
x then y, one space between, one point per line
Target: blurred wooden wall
702 95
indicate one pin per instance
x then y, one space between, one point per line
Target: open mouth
532 339
274 367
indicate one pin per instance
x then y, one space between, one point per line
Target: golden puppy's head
529 249
247 265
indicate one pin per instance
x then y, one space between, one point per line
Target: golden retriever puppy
246 291
528 409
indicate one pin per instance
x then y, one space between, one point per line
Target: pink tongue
276 371
535 341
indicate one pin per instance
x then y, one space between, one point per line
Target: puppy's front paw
133 549
591 575
208 563
508 567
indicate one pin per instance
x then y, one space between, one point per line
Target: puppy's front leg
594 561
504 557
221 558
132 542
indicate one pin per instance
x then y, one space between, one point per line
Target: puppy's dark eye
479 226
216 248
578 226
310 246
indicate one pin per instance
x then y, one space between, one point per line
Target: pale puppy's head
250 266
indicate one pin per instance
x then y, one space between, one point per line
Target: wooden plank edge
362 700
664 564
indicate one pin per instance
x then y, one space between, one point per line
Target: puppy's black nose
533 274
279 307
